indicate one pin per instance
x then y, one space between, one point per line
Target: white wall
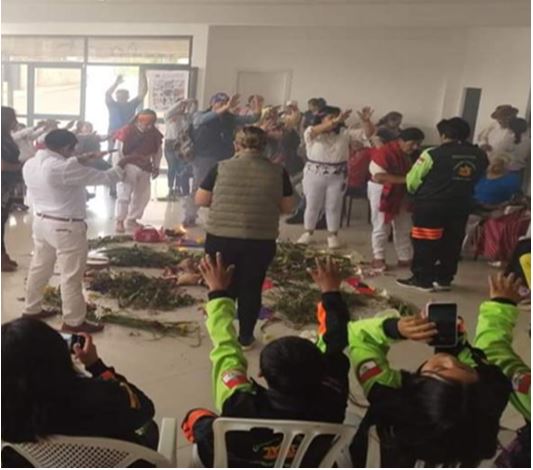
404 70
497 60
419 72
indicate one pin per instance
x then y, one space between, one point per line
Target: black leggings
251 259
5 217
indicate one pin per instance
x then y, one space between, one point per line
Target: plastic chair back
86 452
307 431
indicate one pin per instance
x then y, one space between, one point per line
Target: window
66 77
140 50
15 86
42 49
57 91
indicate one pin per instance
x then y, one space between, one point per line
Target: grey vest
246 198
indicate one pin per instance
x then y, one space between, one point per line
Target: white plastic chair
307 430
96 452
374 453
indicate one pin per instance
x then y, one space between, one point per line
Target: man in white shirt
492 139
56 182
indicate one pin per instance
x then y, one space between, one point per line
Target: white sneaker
133 225
304 239
333 242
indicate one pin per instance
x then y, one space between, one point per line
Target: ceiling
362 13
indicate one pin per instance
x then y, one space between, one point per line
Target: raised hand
417 328
257 104
505 287
365 114
233 102
326 275
88 354
343 116
215 274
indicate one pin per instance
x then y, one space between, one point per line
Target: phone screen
72 339
444 315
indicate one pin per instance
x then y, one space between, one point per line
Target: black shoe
296 219
247 343
440 286
415 284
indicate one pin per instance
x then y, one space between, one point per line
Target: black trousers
437 235
5 217
251 259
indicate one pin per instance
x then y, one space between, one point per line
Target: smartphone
444 315
72 339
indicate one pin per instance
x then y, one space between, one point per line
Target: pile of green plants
292 261
145 257
138 291
294 297
100 242
52 300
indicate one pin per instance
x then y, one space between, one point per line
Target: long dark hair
37 378
518 126
443 422
328 111
8 118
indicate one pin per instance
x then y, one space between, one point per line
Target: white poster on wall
166 87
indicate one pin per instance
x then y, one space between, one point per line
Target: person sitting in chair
44 394
306 382
447 413
499 185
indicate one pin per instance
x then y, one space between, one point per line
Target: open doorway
99 79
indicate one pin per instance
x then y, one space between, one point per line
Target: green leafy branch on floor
138 291
292 261
297 304
146 257
295 299
52 299
100 242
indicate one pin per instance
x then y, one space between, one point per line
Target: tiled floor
175 373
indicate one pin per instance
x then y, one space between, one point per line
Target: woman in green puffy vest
246 195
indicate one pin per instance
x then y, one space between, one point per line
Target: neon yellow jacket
229 372
494 335
369 342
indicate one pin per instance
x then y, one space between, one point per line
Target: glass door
99 79
56 92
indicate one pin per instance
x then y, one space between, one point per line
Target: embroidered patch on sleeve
522 382
420 161
234 378
367 370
